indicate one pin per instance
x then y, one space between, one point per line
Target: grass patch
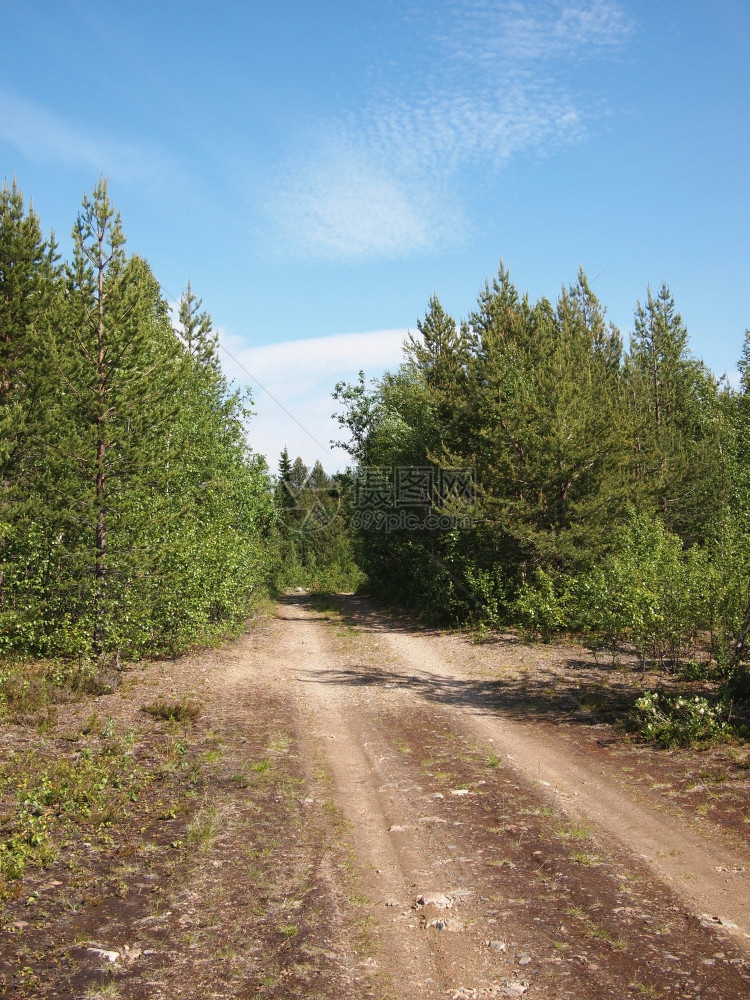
584 858
594 930
574 831
538 811
186 710
103 991
643 989
29 687
204 828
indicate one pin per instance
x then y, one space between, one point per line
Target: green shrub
649 591
679 721
539 608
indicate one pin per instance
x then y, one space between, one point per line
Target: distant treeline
133 516
590 486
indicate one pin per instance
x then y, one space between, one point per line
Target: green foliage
546 430
679 721
486 592
612 487
28 842
315 539
195 329
133 517
677 446
648 591
539 608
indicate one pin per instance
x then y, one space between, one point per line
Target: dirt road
378 810
537 871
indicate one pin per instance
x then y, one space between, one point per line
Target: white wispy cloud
347 204
513 36
381 181
40 134
292 383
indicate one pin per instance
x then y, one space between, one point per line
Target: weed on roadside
574 831
204 828
186 710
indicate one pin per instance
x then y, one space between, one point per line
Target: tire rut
710 876
494 848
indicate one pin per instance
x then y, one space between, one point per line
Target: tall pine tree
673 400
28 286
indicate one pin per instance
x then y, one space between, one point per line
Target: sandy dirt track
363 808
378 702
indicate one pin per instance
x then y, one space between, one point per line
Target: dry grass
186 710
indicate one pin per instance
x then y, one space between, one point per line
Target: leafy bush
727 589
679 721
485 589
695 671
539 608
649 591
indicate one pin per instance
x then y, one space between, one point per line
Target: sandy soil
395 812
377 696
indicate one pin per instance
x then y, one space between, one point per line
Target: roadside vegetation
134 519
581 487
80 775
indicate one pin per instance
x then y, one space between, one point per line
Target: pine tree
434 380
285 497
115 352
673 406
28 286
101 332
285 466
196 330
26 274
544 384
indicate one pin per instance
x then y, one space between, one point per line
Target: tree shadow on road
562 685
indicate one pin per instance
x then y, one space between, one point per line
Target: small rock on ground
436 899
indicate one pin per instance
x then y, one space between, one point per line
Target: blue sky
317 170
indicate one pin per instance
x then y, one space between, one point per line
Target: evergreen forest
133 515
525 467
559 479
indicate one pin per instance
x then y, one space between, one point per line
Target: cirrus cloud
382 181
